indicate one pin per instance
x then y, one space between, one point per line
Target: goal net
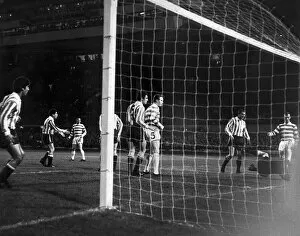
208 58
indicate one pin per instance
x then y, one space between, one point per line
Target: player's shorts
77 140
237 142
5 141
286 144
152 134
47 139
136 134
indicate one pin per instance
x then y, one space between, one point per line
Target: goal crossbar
201 20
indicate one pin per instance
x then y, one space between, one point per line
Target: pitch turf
190 192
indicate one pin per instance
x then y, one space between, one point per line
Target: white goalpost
208 59
108 103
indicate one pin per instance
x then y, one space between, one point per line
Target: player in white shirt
78 132
136 137
152 118
237 131
289 137
118 127
10 109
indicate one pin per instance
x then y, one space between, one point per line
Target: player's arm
296 135
128 115
228 128
140 118
274 132
60 131
84 132
100 123
4 118
71 133
156 121
246 135
119 121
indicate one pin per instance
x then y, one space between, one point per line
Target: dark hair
52 111
157 97
241 110
141 95
20 83
287 113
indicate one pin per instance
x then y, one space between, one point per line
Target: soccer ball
215 59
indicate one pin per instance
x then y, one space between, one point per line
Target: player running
10 109
152 117
289 137
78 131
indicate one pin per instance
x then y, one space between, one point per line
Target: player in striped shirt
289 136
78 131
48 130
237 131
118 127
136 139
10 109
152 117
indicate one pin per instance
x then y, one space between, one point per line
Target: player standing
237 131
10 109
118 127
289 135
135 118
78 131
49 128
152 117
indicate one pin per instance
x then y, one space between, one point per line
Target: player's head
158 99
53 112
21 84
78 120
242 114
142 96
287 117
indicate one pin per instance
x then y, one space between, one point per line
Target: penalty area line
42 172
50 219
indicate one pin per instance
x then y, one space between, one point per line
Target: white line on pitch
47 172
49 219
245 189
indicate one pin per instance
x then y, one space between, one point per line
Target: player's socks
5 173
148 164
224 165
73 152
136 170
130 165
238 166
82 155
44 158
156 164
50 159
115 162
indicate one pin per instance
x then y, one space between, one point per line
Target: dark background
204 76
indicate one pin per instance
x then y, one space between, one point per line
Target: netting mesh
247 17
205 76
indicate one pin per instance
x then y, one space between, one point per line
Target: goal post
208 59
108 103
